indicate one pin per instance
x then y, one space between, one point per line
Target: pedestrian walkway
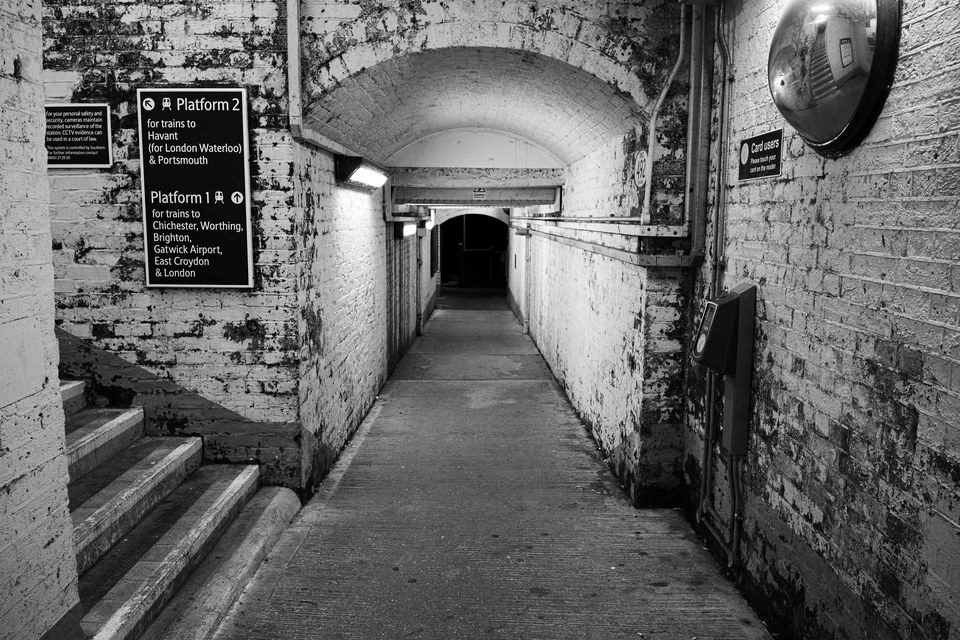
473 504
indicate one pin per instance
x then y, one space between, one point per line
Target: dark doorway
473 252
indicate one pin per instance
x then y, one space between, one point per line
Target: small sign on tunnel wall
78 136
761 156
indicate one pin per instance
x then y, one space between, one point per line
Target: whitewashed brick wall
38 580
854 469
341 296
282 374
213 362
611 331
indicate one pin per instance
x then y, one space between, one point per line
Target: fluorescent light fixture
369 177
355 171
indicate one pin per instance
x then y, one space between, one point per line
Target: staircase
822 84
154 527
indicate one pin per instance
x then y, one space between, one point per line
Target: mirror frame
880 79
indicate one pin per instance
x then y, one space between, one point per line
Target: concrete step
196 611
74 395
122 593
93 435
109 500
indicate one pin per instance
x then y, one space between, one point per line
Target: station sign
78 136
761 156
195 176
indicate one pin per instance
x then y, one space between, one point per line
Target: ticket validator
724 343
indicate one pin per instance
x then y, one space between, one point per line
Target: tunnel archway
578 80
473 246
621 49
441 215
383 108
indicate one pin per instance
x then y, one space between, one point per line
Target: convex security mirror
830 68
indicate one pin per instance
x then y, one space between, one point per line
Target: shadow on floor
478 299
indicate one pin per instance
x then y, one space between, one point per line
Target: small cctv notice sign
761 156
195 175
479 193
78 136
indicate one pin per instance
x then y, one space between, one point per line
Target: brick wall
851 524
570 58
610 329
38 581
342 303
602 183
610 333
215 362
281 374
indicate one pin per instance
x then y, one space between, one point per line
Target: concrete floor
473 504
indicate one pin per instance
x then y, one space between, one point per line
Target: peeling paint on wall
853 496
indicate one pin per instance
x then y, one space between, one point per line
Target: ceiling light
354 170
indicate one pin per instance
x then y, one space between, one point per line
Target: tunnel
473 252
420 319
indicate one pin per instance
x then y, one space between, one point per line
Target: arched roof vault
387 106
566 74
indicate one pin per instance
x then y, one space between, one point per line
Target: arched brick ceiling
379 110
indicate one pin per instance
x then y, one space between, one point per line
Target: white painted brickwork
475 67
610 330
341 295
232 347
605 328
855 454
601 184
501 89
37 570
281 375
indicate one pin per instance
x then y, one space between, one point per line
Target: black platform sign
761 156
195 169
78 136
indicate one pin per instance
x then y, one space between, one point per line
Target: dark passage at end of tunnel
473 252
